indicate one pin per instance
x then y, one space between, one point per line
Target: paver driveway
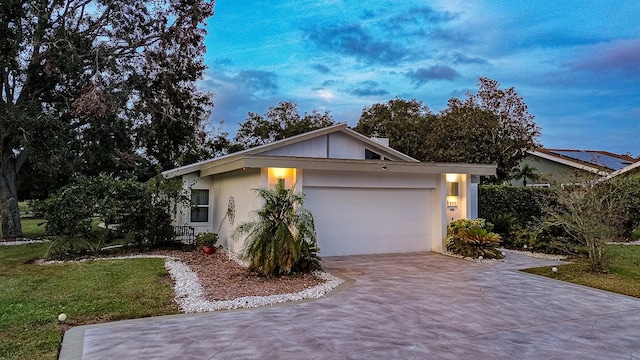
402 306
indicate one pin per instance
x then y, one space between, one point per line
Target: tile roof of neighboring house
598 161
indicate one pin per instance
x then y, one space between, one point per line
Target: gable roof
594 161
259 157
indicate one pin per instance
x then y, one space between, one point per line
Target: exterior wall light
452 189
452 194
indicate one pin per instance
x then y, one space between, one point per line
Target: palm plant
282 237
525 172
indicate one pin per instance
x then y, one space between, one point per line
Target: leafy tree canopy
407 124
492 126
87 84
280 122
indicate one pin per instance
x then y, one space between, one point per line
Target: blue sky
576 63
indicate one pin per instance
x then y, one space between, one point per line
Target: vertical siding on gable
313 148
342 146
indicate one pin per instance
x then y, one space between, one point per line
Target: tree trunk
11 227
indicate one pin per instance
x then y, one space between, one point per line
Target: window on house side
199 205
370 155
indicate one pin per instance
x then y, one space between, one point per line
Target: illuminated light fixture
384 167
279 173
452 189
452 193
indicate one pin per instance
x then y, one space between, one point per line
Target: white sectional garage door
370 220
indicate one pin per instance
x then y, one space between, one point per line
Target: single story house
560 167
366 197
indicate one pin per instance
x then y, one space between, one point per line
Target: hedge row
527 204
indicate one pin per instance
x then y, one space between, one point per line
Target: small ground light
62 317
503 254
525 246
480 258
554 269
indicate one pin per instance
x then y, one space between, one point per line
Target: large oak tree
98 84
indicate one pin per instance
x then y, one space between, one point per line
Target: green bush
206 239
624 201
505 225
120 206
473 238
64 247
527 204
554 239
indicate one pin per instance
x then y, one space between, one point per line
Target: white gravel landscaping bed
190 295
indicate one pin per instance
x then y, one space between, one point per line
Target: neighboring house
365 196
559 167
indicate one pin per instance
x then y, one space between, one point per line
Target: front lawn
32 296
623 276
32 228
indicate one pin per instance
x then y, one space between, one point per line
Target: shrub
64 247
206 239
527 204
120 205
473 238
505 225
282 238
586 214
625 205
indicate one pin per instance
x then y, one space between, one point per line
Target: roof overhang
260 161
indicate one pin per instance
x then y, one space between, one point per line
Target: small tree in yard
588 215
282 238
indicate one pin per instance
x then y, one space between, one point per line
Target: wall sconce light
452 189
384 167
452 194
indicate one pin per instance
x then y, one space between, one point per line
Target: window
199 205
370 155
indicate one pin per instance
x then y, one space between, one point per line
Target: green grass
32 296
33 227
623 276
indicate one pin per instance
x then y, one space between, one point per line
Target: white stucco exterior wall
238 184
439 215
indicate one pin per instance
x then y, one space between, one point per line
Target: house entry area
356 220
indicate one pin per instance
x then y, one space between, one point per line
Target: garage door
370 221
